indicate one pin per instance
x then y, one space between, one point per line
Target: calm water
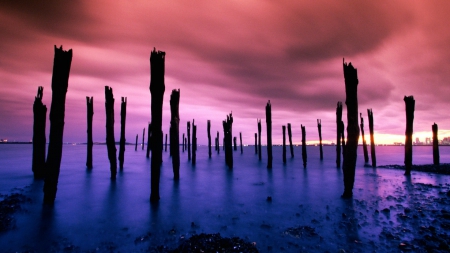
93 213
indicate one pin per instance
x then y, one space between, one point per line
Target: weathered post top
157 70
268 112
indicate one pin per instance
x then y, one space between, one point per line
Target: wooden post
434 128
234 141
209 137
40 116
194 143
256 143
110 140
184 143
157 88
143 137
60 82
123 115
90 143
343 138
165 145
366 153
284 143
291 147
304 155
223 144
149 139
338 131
259 139
189 140
409 104
228 133
372 140
351 100
175 132
319 127
218 143
240 142
269 134
135 145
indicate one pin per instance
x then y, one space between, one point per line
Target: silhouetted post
40 116
90 143
372 140
366 153
284 143
223 143
343 138
228 133
409 104
175 132
434 128
304 155
269 134
184 143
123 115
319 127
110 140
157 88
234 142
135 145
240 142
189 140
338 131
291 147
194 143
165 145
256 143
218 143
259 139
143 138
149 139
351 100
60 82
209 137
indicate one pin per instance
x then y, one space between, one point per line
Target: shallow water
93 213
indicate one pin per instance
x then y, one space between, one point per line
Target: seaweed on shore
8 206
443 168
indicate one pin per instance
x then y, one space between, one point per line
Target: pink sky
230 56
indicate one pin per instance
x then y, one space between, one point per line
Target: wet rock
215 243
8 206
301 231
143 238
269 199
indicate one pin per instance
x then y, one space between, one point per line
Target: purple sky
230 56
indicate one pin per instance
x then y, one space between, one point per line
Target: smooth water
92 213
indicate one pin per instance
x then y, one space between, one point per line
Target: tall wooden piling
319 128
110 140
60 82
366 153
304 154
259 139
209 137
218 143
351 100
123 115
189 140
372 139
338 133
175 132
234 142
90 143
157 88
240 142
434 128
143 138
40 117
284 143
291 147
269 134
184 143
165 145
410 106
228 133
194 143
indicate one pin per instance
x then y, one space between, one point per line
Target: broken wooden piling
256 143
284 143
227 132
291 147
319 128
366 153
304 154
157 88
434 129
269 134
184 143
209 137
39 117
90 143
123 115
110 140
194 143
234 141
240 142
189 140
338 133
174 132
372 139
351 147
143 138
218 143
149 139
409 106
60 82
259 139
165 145
135 145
